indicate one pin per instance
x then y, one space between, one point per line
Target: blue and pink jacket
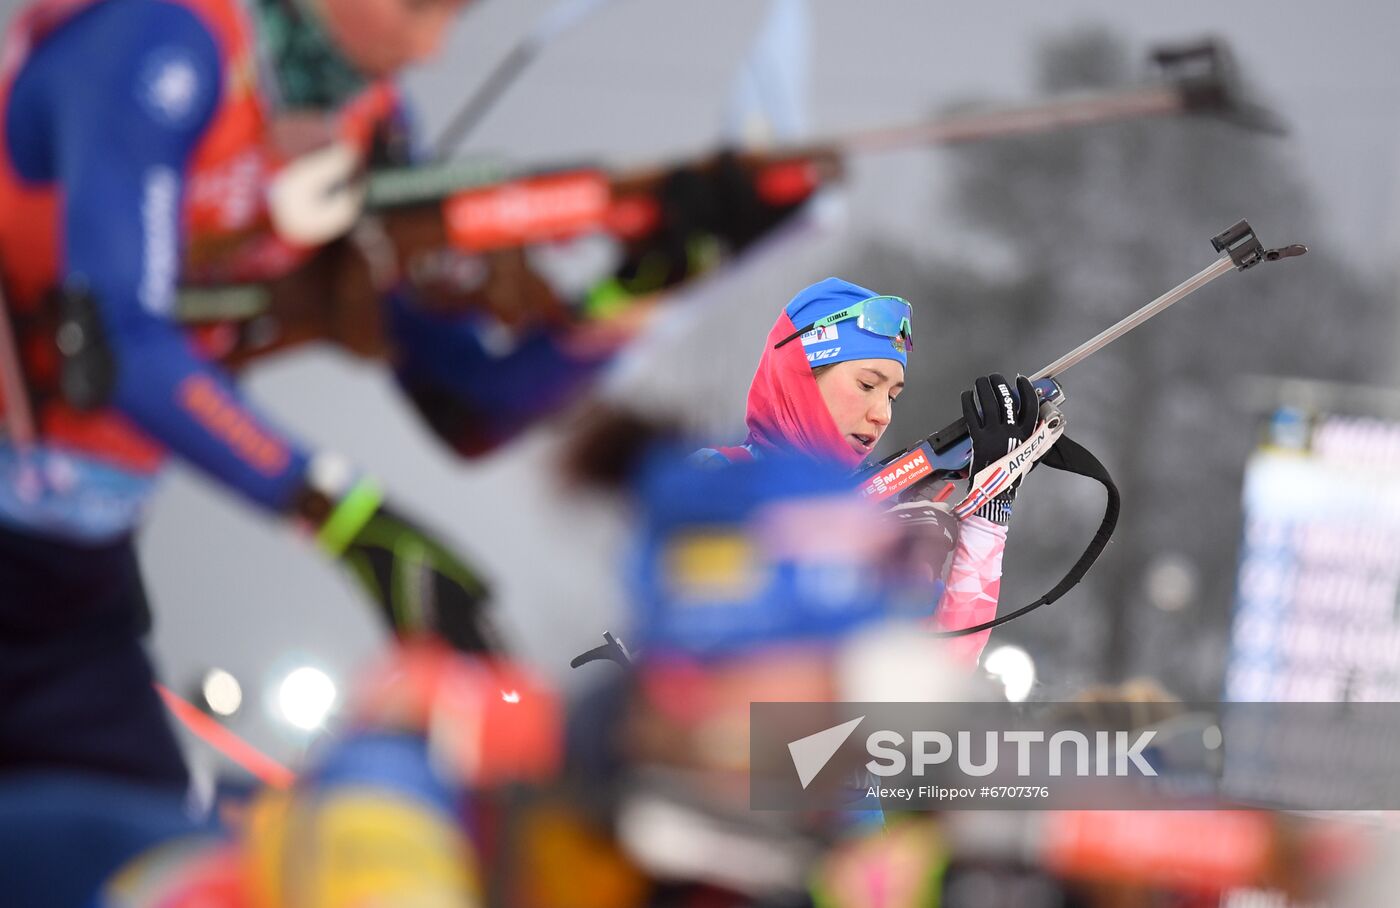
786 413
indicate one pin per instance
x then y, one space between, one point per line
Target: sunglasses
888 316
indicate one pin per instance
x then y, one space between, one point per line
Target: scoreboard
1316 614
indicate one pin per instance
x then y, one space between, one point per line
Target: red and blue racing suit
135 153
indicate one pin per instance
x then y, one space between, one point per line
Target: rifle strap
1070 456
1005 473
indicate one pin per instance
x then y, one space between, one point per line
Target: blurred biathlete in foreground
765 581
146 142
832 367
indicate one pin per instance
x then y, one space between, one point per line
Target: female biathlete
825 388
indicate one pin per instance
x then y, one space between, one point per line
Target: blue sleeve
131 88
476 389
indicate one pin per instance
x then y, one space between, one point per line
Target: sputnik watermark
892 753
1091 755
1112 753
812 752
838 755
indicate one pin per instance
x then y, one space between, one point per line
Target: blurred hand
927 542
419 585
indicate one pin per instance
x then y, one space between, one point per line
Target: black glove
997 421
417 583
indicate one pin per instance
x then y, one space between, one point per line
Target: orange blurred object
491 722
528 210
1209 850
210 731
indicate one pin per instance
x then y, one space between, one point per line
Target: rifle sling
1070 456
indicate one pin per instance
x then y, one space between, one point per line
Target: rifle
909 475
471 236
947 454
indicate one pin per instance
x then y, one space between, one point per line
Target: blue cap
843 340
751 555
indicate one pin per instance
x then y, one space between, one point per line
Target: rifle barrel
1111 334
1081 110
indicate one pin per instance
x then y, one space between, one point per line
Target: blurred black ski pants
75 680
